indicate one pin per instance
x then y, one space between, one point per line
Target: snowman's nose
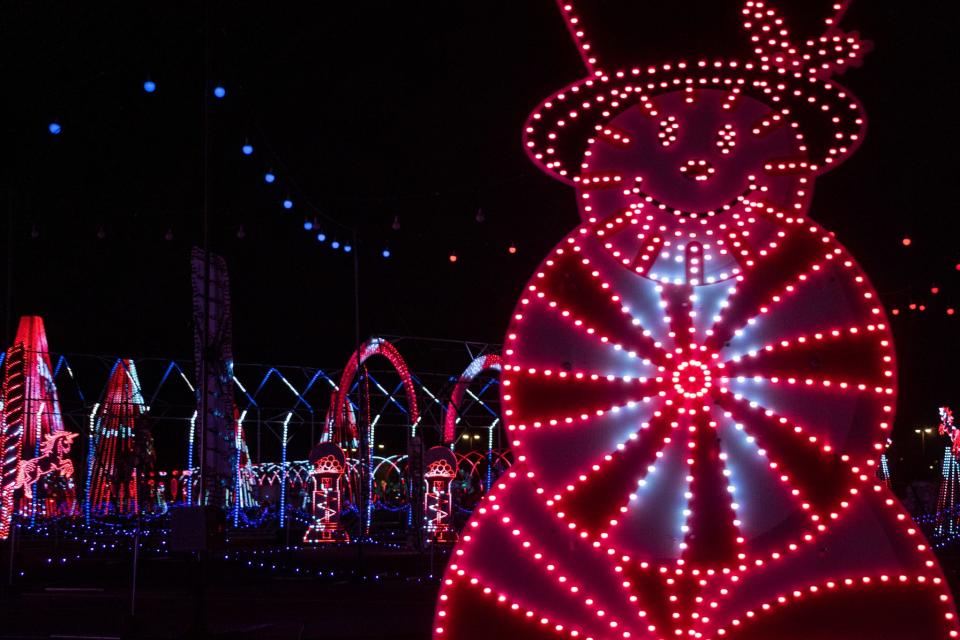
697 169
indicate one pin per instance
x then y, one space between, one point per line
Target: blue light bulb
347 248
54 128
288 204
247 149
385 253
335 244
321 237
269 177
307 225
219 92
149 86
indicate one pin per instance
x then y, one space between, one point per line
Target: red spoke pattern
570 396
816 474
713 535
571 285
811 458
849 359
594 502
796 253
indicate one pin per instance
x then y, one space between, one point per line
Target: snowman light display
698 381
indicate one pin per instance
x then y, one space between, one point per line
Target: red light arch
370 348
489 362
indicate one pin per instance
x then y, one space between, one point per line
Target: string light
269 178
54 128
219 92
288 204
149 86
385 253
453 257
247 149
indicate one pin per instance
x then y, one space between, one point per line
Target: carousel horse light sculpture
53 459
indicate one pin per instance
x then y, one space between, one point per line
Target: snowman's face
688 166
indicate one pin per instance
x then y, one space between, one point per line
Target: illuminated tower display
698 381
112 425
329 465
42 407
41 418
440 468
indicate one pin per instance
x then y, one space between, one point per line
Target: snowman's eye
726 139
668 131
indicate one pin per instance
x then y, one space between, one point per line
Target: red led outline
480 364
370 348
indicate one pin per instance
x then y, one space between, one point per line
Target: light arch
480 364
370 348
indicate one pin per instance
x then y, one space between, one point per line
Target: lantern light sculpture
440 469
698 381
329 465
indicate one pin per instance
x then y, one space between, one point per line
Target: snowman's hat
793 78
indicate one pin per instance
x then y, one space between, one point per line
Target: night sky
368 112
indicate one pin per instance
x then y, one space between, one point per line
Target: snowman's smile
647 199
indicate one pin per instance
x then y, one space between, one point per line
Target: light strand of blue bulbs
269 177
308 225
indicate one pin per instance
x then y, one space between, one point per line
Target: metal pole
204 332
13 546
136 549
361 428
8 333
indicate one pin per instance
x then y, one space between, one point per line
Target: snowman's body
697 383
